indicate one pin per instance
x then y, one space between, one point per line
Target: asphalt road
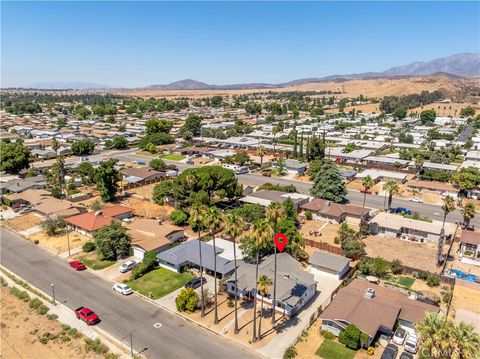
354 197
120 315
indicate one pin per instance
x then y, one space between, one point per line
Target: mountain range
457 66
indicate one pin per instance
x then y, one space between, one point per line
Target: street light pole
68 240
53 294
131 345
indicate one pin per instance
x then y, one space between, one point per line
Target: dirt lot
24 222
21 328
59 244
146 208
417 255
144 191
357 185
466 297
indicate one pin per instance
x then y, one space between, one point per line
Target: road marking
436 213
157 325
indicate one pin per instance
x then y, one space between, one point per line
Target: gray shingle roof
329 261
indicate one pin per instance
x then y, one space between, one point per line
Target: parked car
406 355
401 209
266 174
399 336
195 283
141 163
411 345
87 315
390 352
363 190
127 266
122 288
18 206
416 199
77 265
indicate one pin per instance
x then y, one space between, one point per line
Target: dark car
195 283
406 355
390 352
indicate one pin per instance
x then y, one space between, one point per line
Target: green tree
155 125
428 117
178 217
118 143
82 148
316 149
350 337
53 226
193 123
216 101
161 191
467 179
447 207
87 172
112 240
14 157
391 188
468 212
328 183
186 300
467 112
400 113
367 184
261 151
158 164
263 284
106 178
253 108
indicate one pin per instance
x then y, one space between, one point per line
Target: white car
416 199
411 345
399 336
122 288
125 267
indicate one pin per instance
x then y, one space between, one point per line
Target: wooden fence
324 246
142 183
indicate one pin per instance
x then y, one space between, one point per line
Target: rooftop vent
369 293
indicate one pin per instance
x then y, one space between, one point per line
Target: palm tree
432 334
233 229
213 222
261 150
468 212
264 284
274 213
447 207
274 131
418 165
262 233
391 187
197 220
465 342
367 183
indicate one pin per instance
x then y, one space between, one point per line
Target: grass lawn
173 157
333 350
402 281
159 282
92 261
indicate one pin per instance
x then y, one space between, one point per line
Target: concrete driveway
112 274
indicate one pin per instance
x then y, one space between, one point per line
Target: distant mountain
59 85
189 84
465 65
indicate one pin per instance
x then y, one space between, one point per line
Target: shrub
139 270
327 335
46 337
364 338
112 356
73 332
178 217
290 352
230 303
95 346
52 316
350 337
34 303
20 294
446 295
53 226
396 266
433 280
88 247
3 282
65 327
42 309
371 350
308 215
187 299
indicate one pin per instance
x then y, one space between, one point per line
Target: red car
77 265
266 174
87 315
365 191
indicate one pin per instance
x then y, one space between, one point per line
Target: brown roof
441 186
470 237
117 210
92 221
333 209
59 207
149 235
382 310
33 196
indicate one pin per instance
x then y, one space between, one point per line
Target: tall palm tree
447 207
233 229
197 220
390 187
468 212
262 233
433 335
274 213
418 165
465 342
367 183
261 150
213 222
264 284
274 131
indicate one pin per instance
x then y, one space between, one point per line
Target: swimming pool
463 276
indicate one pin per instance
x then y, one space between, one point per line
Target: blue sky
143 43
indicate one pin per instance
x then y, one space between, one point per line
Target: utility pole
68 240
131 345
53 294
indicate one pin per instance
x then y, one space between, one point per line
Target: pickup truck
87 315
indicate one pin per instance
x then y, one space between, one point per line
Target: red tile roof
93 221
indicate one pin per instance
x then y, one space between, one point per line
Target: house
432 186
265 197
51 206
379 175
395 225
294 166
295 287
148 235
374 309
87 223
335 212
332 264
22 184
43 154
29 196
141 175
470 247
187 254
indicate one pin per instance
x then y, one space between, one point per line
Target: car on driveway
416 199
87 315
77 265
127 266
195 282
406 355
390 352
411 345
122 288
399 336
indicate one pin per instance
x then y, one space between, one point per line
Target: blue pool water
462 275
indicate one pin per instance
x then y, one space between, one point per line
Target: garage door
137 252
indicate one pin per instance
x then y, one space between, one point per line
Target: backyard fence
324 246
142 183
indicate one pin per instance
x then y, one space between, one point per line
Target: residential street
176 338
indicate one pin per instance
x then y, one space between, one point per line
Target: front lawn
92 261
401 281
173 157
159 282
333 350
